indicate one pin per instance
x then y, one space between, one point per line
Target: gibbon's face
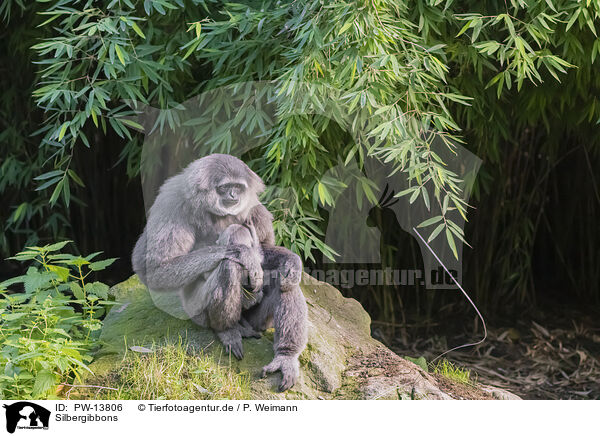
232 197
222 185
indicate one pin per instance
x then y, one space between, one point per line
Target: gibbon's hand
250 259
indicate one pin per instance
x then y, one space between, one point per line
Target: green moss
350 390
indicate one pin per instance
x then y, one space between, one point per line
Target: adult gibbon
208 237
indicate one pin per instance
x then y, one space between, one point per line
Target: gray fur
222 260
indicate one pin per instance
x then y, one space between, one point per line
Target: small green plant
419 361
168 372
48 329
453 372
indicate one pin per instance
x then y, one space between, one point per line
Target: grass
171 372
453 372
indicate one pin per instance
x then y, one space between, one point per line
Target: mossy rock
340 361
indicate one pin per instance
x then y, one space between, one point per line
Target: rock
499 393
341 360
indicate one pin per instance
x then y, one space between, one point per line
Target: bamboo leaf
451 243
430 221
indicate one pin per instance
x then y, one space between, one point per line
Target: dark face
230 194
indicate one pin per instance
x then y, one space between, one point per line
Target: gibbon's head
222 185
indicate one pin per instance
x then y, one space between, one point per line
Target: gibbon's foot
232 341
246 330
289 367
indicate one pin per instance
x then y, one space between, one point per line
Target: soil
554 356
461 391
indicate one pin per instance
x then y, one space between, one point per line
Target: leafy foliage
48 330
392 87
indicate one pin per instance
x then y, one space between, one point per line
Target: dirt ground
553 358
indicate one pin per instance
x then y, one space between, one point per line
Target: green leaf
94 117
191 49
101 264
321 191
426 198
573 19
464 28
75 178
132 124
56 192
77 291
414 196
35 281
49 183
430 221
12 316
119 53
56 246
22 207
406 191
44 381
49 174
451 243
551 5
436 232
63 130
420 362
137 30
345 27
60 271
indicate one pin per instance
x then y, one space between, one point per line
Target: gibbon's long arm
167 261
183 269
